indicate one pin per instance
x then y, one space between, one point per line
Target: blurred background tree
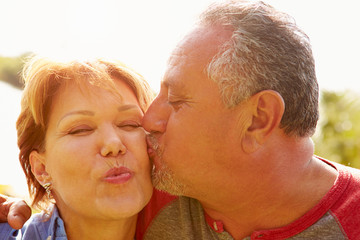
6 190
10 69
338 133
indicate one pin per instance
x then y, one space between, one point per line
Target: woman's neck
96 228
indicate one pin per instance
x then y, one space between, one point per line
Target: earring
48 188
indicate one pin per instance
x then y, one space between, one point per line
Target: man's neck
276 201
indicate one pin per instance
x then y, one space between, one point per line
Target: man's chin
164 181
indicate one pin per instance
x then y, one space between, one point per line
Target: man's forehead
194 53
200 45
174 68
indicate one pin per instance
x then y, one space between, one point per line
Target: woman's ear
267 108
38 167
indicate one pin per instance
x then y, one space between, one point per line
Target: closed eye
175 102
79 131
176 105
129 126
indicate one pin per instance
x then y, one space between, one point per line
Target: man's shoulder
346 189
352 176
349 174
347 209
355 173
157 203
183 218
180 218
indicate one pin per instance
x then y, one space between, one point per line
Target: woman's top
39 227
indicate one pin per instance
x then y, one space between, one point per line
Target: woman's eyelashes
80 130
129 125
83 129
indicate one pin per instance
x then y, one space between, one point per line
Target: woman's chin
120 208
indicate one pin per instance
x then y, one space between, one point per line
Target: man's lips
151 152
150 146
118 175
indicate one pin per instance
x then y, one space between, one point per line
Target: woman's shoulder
39 226
7 232
30 228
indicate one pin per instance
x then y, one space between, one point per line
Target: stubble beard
163 177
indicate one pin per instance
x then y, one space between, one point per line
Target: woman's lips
118 175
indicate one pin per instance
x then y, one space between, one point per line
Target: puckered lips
150 146
118 175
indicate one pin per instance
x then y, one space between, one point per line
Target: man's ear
38 167
267 108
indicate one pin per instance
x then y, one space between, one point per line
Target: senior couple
229 142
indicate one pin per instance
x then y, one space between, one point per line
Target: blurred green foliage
338 134
10 69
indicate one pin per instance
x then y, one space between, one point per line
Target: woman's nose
112 143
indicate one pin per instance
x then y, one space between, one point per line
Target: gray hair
267 51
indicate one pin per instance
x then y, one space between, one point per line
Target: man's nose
156 117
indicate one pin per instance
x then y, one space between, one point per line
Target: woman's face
95 153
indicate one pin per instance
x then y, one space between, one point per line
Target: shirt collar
216 225
56 228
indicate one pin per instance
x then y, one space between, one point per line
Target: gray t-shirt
336 216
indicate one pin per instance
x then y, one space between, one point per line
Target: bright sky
141 33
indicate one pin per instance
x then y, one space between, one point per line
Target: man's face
192 132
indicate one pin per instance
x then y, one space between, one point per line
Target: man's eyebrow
165 82
174 84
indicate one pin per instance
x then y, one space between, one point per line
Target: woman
82 147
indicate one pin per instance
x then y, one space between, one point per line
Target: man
230 133
231 128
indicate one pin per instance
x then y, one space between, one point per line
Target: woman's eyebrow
90 113
127 107
78 112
